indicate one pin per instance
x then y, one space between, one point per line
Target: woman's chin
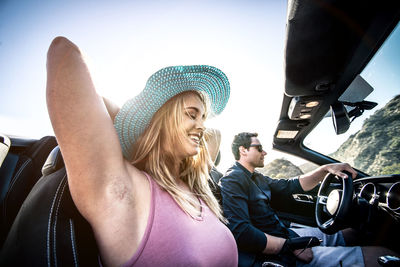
193 152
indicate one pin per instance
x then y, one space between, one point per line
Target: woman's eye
191 115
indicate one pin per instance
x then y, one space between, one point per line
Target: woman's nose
200 124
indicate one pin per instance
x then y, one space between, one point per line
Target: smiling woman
133 203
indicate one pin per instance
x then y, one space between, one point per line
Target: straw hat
135 115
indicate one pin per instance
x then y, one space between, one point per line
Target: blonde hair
154 152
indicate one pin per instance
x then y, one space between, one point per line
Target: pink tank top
173 238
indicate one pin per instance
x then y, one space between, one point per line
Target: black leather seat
49 230
21 169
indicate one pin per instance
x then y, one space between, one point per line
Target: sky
124 42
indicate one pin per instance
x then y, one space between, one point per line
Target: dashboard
380 191
377 210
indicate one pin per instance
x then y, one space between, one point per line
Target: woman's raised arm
82 125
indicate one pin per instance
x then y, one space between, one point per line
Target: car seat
20 171
4 147
49 230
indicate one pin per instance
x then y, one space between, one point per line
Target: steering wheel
333 205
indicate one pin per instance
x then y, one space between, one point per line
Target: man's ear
242 150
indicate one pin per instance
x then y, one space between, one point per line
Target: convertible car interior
328 46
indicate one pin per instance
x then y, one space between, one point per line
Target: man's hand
310 180
338 168
305 255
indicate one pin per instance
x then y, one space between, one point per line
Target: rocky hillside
280 168
375 149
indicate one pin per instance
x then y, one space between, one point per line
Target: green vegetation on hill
280 168
375 149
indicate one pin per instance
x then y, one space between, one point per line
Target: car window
372 142
282 165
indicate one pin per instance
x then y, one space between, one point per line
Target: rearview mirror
340 118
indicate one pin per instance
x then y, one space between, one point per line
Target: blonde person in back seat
142 180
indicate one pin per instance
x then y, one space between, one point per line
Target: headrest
5 144
213 138
53 162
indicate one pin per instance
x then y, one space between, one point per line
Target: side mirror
340 118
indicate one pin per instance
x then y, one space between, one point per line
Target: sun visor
358 90
287 130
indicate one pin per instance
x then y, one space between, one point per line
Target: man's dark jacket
246 201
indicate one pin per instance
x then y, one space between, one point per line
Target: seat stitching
49 221
13 181
19 172
24 165
55 224
73 241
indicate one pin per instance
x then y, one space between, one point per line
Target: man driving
259 233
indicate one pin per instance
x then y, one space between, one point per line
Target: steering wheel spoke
322 200
328 223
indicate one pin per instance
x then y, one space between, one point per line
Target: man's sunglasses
258 147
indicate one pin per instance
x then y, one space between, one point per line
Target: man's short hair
241 139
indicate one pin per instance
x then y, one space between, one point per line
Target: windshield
372 143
